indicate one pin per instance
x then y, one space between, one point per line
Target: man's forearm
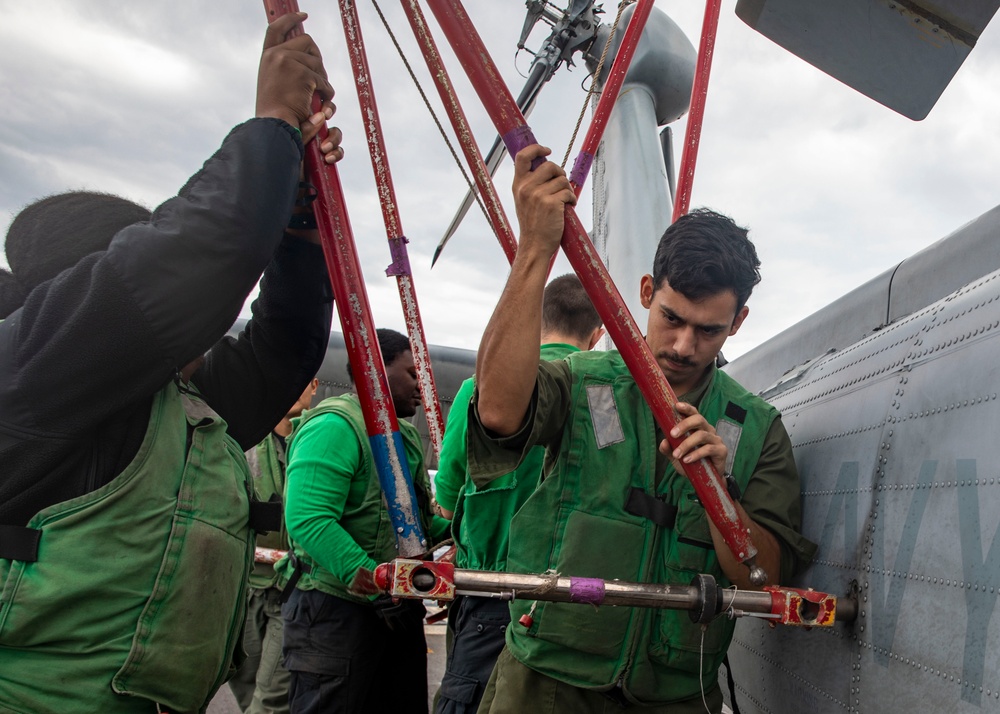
507 363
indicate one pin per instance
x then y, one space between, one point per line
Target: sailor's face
687 335
403 385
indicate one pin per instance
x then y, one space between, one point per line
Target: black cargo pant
477 627
343 658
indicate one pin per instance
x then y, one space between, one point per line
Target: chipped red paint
268 556
396 579
393 224
804 608
622 328
481 175
342 262
699 93
609 92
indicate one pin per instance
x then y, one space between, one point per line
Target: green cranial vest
587 519
366 519
138 593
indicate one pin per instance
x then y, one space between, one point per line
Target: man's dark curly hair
704 253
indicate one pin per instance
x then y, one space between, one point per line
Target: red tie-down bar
400 267
621 326
481 175
363 350
699 93
609 95
703 599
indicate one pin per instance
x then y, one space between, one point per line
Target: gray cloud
133 97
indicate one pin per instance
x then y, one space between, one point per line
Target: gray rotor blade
902 54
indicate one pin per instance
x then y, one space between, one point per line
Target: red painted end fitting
526 621
383 577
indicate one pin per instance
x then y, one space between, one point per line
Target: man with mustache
613 502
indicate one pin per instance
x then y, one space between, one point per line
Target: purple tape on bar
589 590
518 138
581 167
400 264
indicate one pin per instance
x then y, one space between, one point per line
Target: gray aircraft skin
890 396
895 438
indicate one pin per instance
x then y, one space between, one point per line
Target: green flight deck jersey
586 519
481 522
334 511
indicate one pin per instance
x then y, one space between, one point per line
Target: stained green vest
576 523
481 524
267 467
140 586
365 520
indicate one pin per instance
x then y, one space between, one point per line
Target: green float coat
268 470
481 525
338 525
576 524
156 611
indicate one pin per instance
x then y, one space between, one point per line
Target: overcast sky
133 97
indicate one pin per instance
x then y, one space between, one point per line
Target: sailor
125 540
340 647
612 502
481 517
260 686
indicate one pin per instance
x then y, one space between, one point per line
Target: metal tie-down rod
703 598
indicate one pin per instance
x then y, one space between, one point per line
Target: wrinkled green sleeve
453 459
322 462
491 457
773 499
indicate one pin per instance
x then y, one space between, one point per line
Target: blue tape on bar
401 502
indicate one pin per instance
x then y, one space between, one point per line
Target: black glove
398 614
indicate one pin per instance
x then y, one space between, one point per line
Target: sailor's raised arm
508 354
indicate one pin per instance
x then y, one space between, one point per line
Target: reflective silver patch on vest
197 410
604 415
253 461
730 434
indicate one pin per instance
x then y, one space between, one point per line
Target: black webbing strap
732 685
298 567
265 516
19 543
639 503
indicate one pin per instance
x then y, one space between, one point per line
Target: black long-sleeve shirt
81 360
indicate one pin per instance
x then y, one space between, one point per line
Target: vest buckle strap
19 543
265 516
639 503
298 567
